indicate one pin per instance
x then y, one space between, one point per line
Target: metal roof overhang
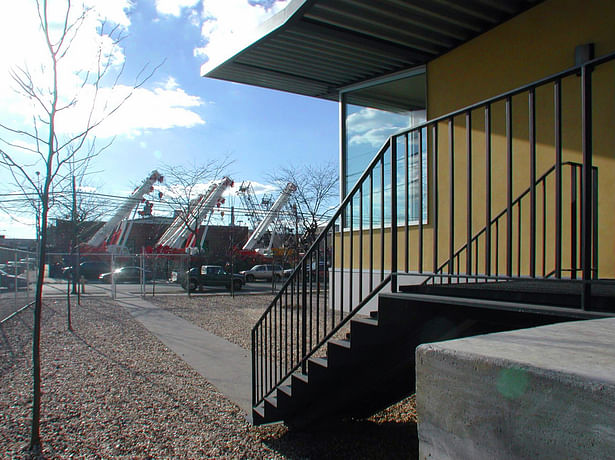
317 47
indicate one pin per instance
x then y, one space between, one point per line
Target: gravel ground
112 390
10 303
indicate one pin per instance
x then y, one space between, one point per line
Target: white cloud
227 23
372 126
263 189
164 106
174 7
158 108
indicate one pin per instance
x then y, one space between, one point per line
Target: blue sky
178 117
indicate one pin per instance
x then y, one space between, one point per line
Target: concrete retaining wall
540 393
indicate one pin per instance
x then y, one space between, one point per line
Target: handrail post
586 184
393 213
303 317
254 395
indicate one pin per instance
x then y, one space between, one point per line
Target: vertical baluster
300 310
328 265
318 262
309 286
544 227
286 330
469 193
595 223
420 198
262 361
275 342
333 263
573 221
476 256
586 183
292 318
255 394
394 254
407 202
488 189
270 352
509 187
435 189
344 218
519 239
451 198
532 140
351 250
558 177
382 218
361 243
371 231
304 329
497 247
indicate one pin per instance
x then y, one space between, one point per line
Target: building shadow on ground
350 439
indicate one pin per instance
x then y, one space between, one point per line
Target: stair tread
260 410
301 376
323 362
286 389
344 343
272 399
371 321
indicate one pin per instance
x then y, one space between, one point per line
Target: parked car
125 275
263 272
90 269
210 276
8 281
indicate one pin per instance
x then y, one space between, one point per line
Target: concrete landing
546 392
222 363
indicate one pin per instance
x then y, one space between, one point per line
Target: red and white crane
111 237
182 233
271 216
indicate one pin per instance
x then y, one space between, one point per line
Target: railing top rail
387 144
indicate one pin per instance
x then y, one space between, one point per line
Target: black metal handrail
358 251
517 203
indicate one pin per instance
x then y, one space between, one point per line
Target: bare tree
42 90
77 201
316 195
185 185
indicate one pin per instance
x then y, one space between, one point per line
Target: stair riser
365 336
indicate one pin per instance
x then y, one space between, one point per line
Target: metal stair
374 367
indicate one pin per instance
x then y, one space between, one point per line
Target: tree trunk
35 439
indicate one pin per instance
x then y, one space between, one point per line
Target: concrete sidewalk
222 363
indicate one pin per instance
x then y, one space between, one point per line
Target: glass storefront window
372 114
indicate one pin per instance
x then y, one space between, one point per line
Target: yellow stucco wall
534 45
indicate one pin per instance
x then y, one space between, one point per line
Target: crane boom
103 233
179 235
271 215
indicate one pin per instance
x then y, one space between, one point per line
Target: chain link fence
73 275
18 272
115 275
